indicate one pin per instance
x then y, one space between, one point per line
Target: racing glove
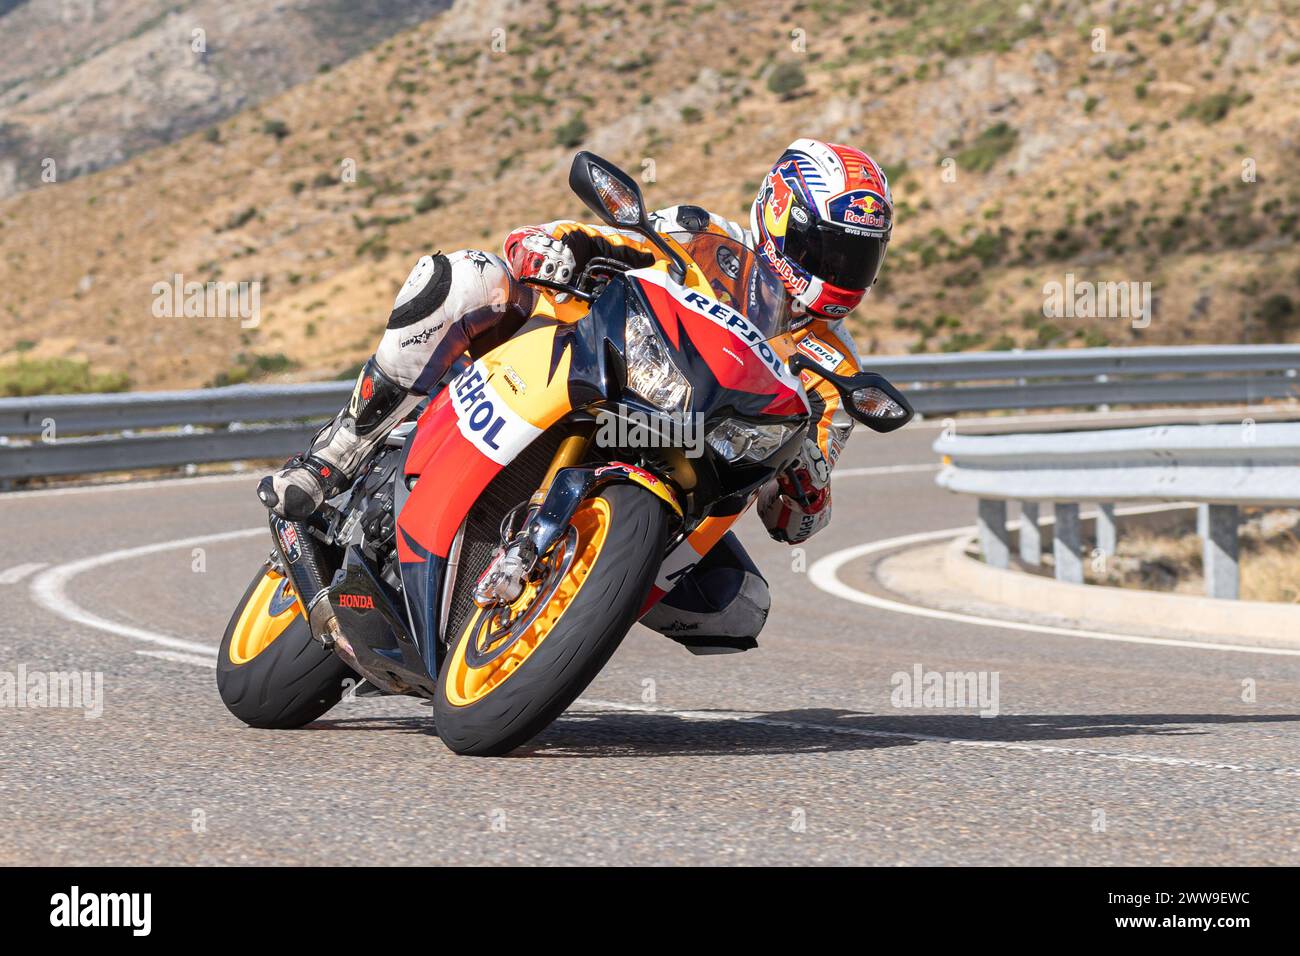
796 504
534 253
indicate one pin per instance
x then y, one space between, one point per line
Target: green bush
962 341
277 128
240 218
252 366
988 248
1278 313
57 377
990 146
786 80
430 200
1209 109
572 133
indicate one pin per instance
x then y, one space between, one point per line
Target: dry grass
1107 175
1171 561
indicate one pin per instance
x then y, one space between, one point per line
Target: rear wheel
510 672
270 672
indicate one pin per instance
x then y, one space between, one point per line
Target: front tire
491 707
270 672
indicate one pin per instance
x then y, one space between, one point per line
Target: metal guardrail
1220 467
76 434
87 434
89 414
1070 378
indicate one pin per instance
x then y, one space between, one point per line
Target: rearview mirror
868 397
609 192
615 197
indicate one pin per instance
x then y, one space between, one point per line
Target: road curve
1102 752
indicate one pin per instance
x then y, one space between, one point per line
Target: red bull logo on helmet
796 282
778 198
866 209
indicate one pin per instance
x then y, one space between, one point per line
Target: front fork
550 512
507 574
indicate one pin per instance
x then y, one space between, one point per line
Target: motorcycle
493 552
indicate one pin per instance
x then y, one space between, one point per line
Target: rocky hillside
90 83
1112 142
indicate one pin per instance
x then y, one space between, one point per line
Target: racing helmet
821 222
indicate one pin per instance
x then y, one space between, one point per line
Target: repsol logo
821 353
360 602
739 325
476 407
486 419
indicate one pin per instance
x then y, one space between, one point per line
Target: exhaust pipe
305 566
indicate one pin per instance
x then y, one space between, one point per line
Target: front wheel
270 672
510 672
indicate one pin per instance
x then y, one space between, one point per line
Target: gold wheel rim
466 684
257 626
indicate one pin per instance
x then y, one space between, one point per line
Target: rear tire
287 683
577 645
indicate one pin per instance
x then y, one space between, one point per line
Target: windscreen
740 280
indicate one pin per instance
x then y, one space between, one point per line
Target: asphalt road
1102 752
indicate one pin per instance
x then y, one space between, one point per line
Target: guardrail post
1107 535
1031 536
1067 544
1219 524
994 543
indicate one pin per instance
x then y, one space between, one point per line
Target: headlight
735 440
650 371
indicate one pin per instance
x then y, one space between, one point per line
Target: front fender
572 486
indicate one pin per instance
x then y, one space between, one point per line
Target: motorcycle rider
821 222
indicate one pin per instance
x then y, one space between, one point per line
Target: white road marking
49 589
180 657
752 718
249 476
824 574
19 571
883 470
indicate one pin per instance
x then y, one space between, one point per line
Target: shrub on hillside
989 146
1279 315
1212 108
277 128
786 80
57 376
572 133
